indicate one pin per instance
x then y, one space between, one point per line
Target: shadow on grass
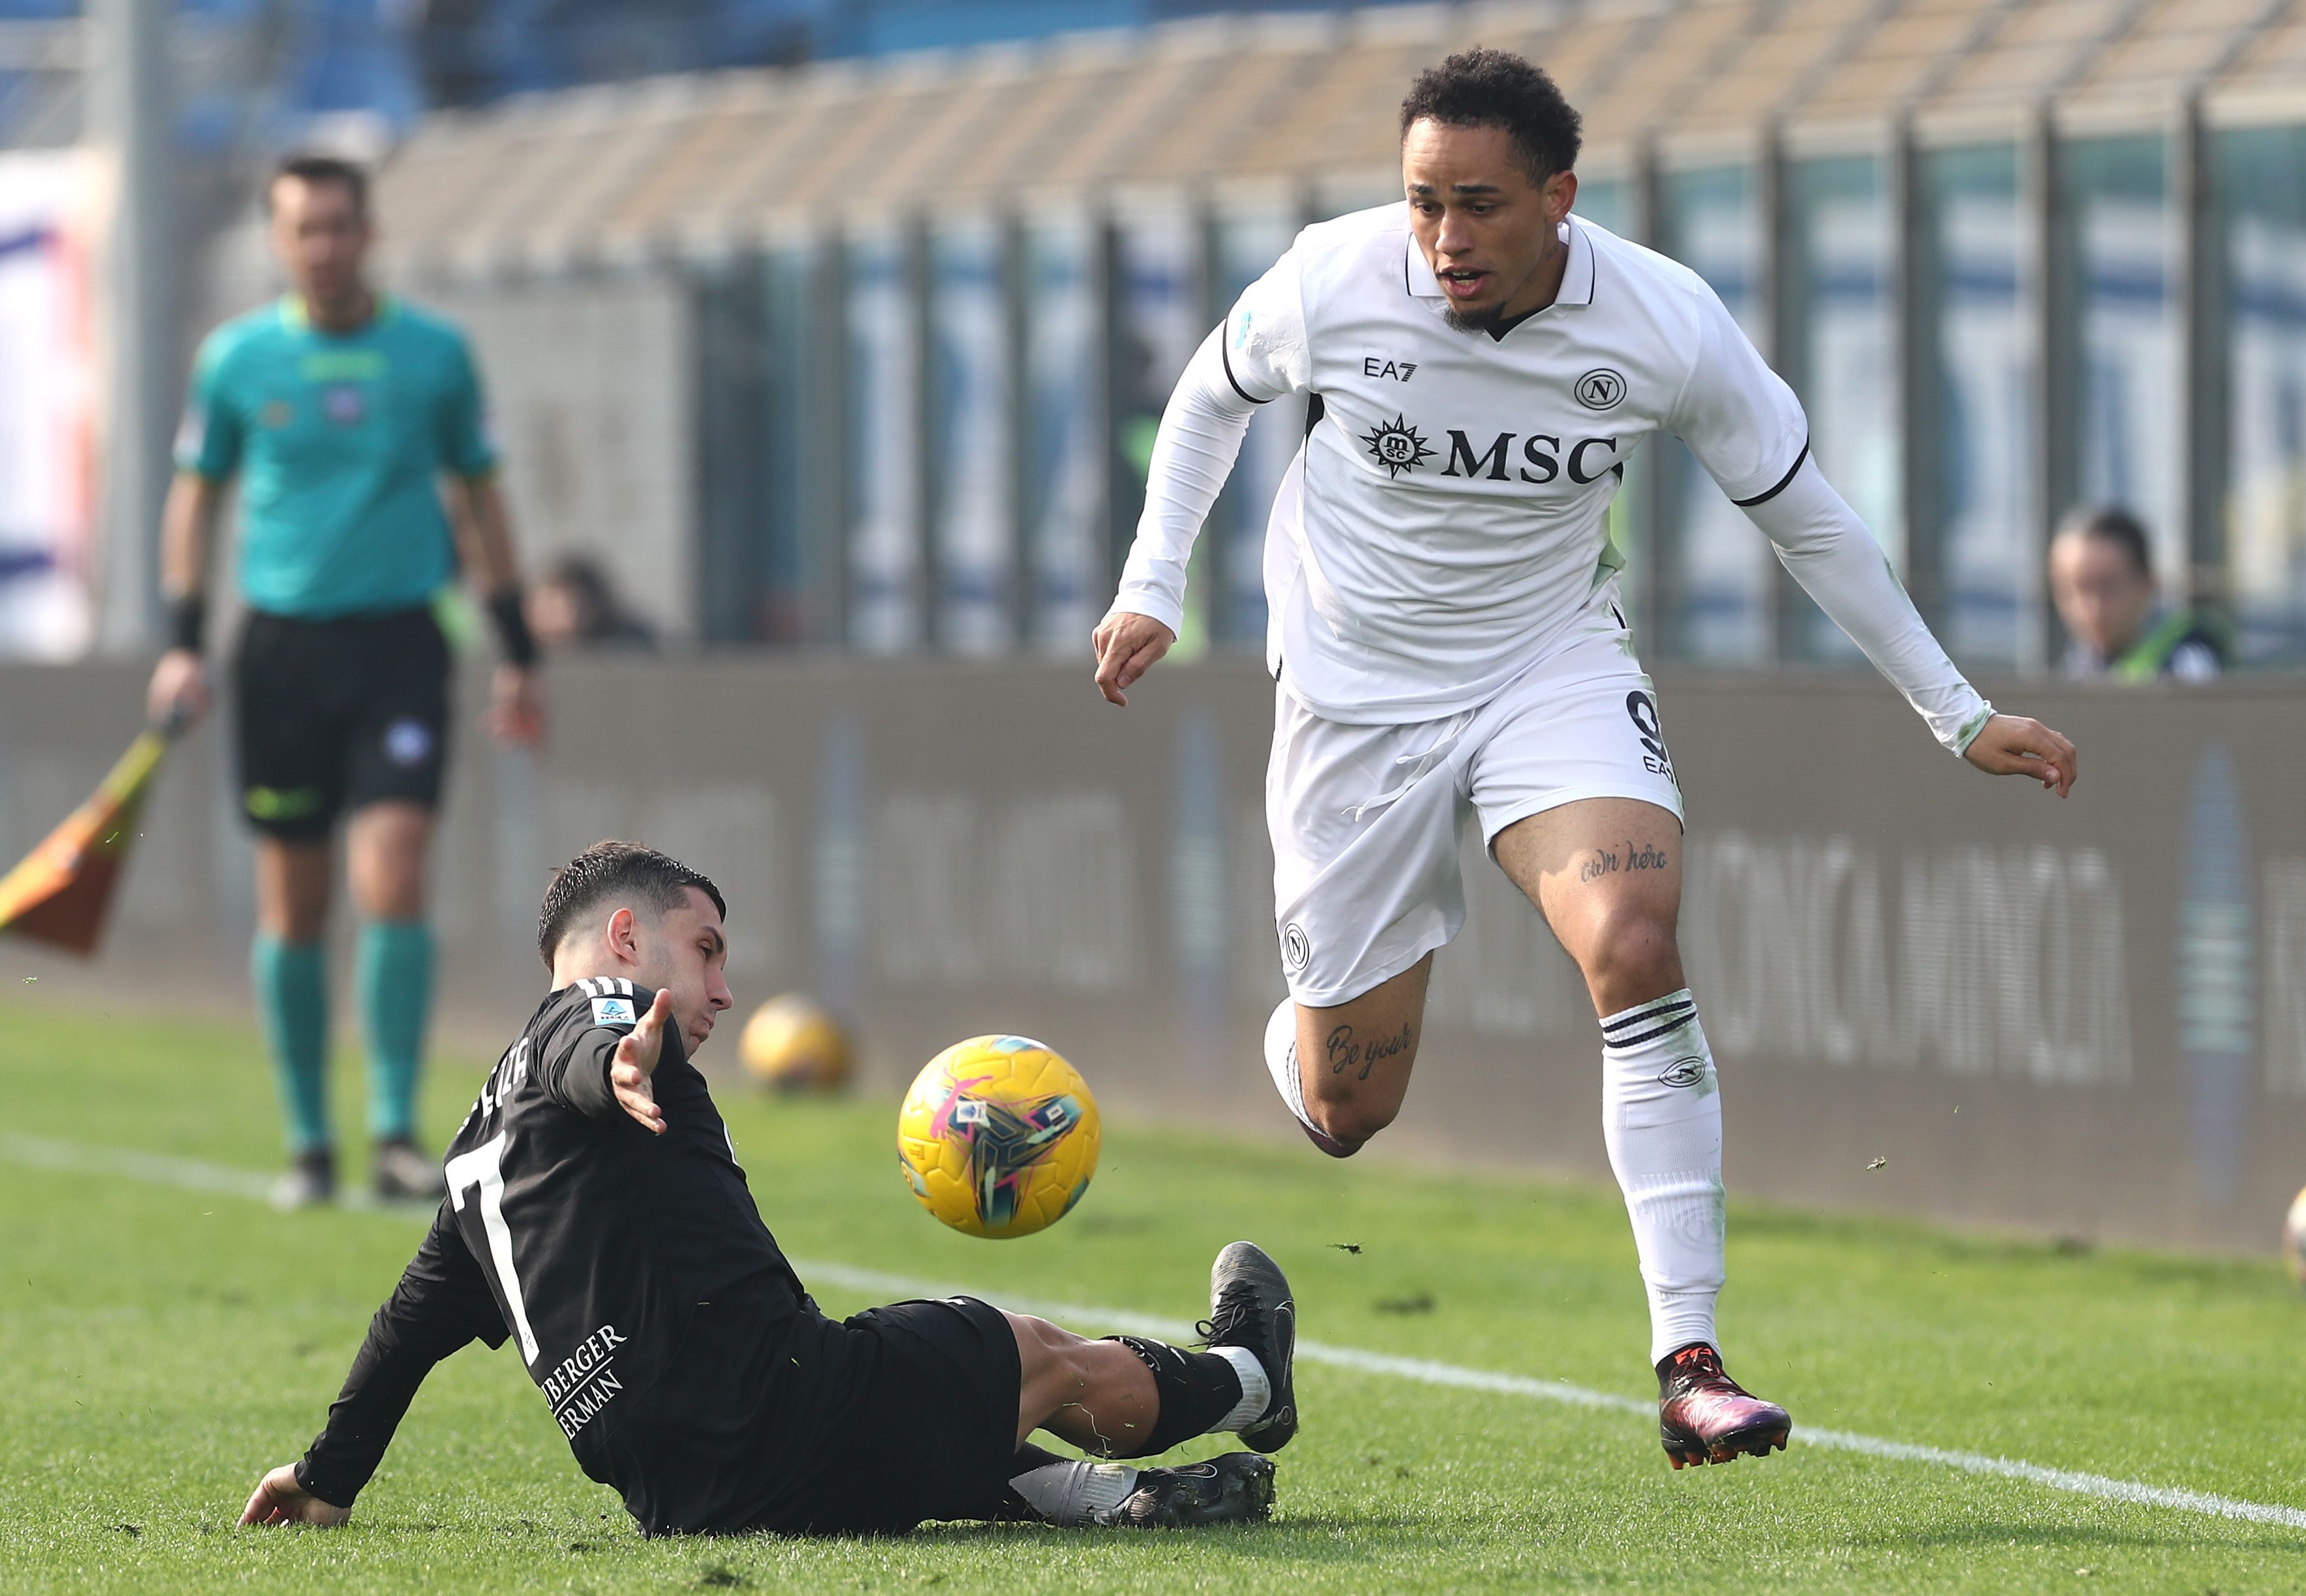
2077 1537
1312 1538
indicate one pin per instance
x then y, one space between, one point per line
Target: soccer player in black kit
596 1216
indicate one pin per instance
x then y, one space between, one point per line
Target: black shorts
936 1433
335 714
900 1416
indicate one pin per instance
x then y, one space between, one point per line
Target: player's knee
1633 958
1348 1122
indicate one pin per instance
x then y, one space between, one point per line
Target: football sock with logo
1198 1392
394 975
1069 1491
291 979
1662 1121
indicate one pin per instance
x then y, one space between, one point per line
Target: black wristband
519 644
302 1472
188 622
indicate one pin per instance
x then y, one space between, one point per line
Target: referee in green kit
354 424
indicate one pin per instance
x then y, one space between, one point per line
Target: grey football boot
1251 1307
1235 1489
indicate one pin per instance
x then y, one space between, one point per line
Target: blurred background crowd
845 325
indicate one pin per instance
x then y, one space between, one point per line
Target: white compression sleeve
1830 552
1193 452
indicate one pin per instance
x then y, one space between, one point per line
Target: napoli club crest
1601 388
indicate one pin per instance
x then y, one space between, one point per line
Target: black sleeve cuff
334 1497
518 641
188 622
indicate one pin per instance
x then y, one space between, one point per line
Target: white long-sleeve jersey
1446 520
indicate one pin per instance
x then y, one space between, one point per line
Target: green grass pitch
162 1346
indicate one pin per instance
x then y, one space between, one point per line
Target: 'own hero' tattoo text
1634 856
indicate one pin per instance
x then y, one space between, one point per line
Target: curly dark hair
608 870
1486 88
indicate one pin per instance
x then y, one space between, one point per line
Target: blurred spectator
575 605
2101 580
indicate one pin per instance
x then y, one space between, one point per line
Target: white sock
1662 1121
1076 1493
1281 1059
1256 1389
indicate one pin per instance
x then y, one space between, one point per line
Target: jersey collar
1576 278
295 314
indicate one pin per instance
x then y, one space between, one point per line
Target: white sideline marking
193 1175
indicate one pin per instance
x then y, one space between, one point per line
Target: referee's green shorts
336 714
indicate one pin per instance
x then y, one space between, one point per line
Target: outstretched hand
636 1061
280 1500
2014 746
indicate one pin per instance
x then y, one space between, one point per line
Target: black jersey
573 1230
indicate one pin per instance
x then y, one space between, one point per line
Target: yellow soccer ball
998 1137
2293 1239
789 1044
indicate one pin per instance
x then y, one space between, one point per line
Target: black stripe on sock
1644 1016
1667 1029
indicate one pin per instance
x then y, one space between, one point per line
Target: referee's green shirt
339 440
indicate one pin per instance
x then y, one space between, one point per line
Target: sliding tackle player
597 1216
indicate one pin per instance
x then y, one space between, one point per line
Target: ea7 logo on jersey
1377 365
1643 710
614 1011
1396 446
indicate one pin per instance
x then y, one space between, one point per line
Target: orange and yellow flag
60 891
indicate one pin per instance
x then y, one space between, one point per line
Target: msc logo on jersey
614 1011
1601 388
1541 458
1396 446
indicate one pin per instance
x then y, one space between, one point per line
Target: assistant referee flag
60 891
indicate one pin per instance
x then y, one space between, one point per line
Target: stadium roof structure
705 165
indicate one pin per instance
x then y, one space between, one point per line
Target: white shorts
1367 820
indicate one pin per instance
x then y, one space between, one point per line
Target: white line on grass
191 1175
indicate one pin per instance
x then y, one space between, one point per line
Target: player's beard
1487 323
1473 321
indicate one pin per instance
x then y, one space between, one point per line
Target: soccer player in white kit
1447 640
